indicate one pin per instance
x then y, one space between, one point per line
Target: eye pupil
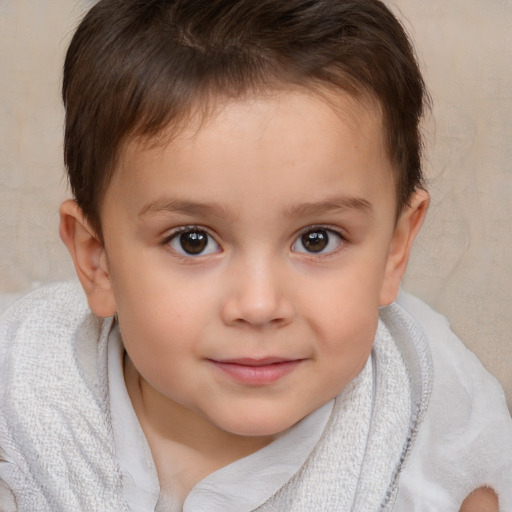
315 241
194 242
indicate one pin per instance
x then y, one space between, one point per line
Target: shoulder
458 374
44 326
54 421
465 440
47 333
456 368
58 298
49 330
47 316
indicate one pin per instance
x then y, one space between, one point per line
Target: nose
257 297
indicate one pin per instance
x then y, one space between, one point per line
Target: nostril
255 295
271 313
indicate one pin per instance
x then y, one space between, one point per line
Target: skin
483 499
257 181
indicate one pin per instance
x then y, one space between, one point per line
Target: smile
257 372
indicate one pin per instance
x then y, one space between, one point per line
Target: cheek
159 319
349 340
156 320
344 318
160 342
151 290
348 299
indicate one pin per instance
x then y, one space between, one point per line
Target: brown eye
317 241
194 242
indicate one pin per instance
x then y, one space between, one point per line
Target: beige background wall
462 264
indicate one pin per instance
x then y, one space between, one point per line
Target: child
247 187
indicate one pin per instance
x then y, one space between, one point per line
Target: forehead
261 141
211 113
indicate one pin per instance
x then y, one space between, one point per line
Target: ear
406 229
89 257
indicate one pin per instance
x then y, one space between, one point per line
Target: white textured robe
422 426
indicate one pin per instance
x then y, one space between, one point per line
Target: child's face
248 258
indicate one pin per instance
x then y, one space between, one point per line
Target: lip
257 372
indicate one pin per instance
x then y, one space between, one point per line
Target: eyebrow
331 205
192 208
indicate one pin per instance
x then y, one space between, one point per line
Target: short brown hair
136 66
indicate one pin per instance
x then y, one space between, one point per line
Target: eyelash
328 229
309 229
185 229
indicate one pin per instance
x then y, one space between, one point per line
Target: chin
259 426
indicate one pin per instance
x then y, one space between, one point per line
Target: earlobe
406 229
89 258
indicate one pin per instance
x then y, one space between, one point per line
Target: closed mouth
256 372
249 361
